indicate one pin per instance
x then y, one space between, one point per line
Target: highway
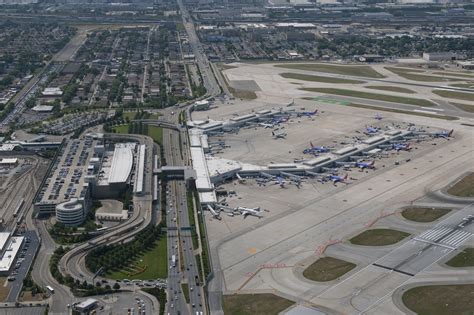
179 234
210 82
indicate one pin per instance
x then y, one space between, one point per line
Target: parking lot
23 264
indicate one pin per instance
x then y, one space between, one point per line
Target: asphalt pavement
30 246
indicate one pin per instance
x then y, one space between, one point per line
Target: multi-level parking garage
87 168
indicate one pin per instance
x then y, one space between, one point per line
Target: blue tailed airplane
401 146
443 134
316 149
337 178
363 165
371 130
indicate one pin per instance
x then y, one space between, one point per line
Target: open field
463 259
455 74
463 188
28 296
440 299
129 115
372 96
457 95
154 263
358 71
245 95
415 75
156 133
378 237
390 88
185 289
254 304
316 78
424 214
464 107
120 129
4 290
327 269
401 111
469 85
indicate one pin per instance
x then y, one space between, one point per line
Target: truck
173 261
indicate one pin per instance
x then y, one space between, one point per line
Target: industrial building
8 162
85 307
89 168
9 248
442 56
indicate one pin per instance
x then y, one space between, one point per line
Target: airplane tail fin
451 133
372 163
273 133
311 143
315 111
345 177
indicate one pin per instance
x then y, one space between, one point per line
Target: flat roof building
8 162
9 248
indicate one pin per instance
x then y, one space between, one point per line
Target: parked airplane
363 165
308 114
316 149
265 125
249 211
214 213
443 134
401 146
337 178
280 181
240 178
279 135
279 120
371 130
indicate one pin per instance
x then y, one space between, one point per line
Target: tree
116 286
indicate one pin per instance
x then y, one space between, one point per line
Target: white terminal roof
10 252
217 165
203 182
3 240
8 161
122 162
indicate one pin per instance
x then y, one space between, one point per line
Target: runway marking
425 112
252 250
250 277
274 266
444 236
435 109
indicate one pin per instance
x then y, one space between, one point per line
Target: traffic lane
36 310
